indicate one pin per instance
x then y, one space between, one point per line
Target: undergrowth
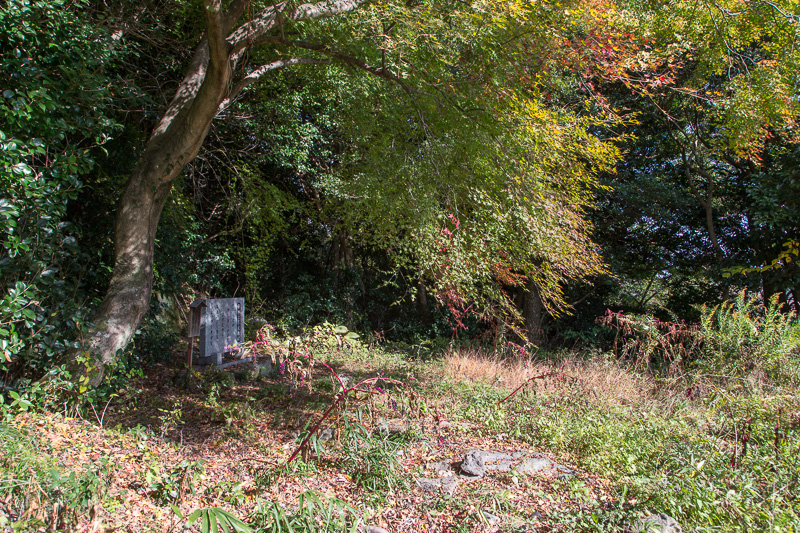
707 431
36 492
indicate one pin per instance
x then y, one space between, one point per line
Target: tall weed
747 337
314 513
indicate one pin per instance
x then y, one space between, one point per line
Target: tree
715 96
209 87
520 156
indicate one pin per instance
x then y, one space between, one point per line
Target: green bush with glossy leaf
54 119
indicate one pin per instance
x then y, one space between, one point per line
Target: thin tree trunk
423 308
712 233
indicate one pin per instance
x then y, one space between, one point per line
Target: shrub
748 337
50 133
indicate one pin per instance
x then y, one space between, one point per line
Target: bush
748 337
52 129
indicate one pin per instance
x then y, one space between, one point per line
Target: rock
477 463
370 529
442 468
449 485
534 464
659 523
473 464
325 435
265 368
428 484
446 485
393 427
540 463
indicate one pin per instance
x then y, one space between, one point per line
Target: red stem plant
646 338
339 398
556 373
292 358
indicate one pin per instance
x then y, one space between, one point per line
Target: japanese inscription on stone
219 324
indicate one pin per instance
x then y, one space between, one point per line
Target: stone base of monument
265 366
215 359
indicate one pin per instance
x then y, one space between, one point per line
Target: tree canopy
489 156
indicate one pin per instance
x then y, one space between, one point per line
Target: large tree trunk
128 295
207 88
138 212
174 143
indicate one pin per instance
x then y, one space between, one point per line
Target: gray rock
534 464
442 468
659 523
446 485
370 529
265 368
325 435
428 484
473 464
393 427
477 463
540 463
449 485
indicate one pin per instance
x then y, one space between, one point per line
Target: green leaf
194 516
214 521
176 510
205 524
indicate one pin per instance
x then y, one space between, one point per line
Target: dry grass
477 366
602 380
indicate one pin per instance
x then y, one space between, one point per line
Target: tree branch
324 9
248 33
344 58
217 46
263 69
233 14
245 34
